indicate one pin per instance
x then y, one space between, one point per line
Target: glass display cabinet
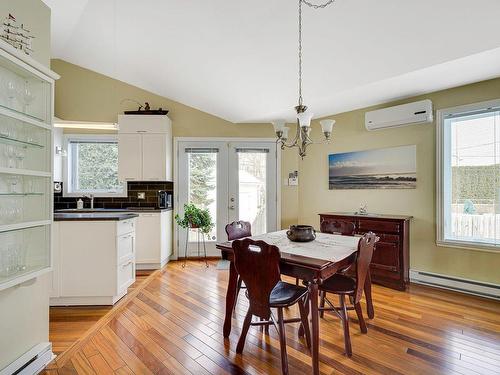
26 96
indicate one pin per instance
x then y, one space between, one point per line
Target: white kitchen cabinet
26 114
97 270
154 239
130 157
154 167
144 148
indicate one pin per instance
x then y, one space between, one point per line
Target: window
92 166
468 181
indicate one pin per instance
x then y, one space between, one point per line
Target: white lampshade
327 125
278 125
305 118
285 130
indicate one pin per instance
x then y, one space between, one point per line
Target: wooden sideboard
390 262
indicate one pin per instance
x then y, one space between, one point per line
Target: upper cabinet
144 148
26 112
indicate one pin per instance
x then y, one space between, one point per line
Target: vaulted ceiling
237 59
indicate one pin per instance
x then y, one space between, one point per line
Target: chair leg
368 294
282 335
238 288
345 322
304 317
322 304
244 331
359 313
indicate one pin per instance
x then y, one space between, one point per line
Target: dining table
313 262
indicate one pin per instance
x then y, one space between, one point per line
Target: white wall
58 159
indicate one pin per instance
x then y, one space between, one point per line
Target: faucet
91 197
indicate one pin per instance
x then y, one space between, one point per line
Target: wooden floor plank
172 324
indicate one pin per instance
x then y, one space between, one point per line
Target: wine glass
10 90
27 96
20 154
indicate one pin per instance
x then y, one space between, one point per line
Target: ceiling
238 59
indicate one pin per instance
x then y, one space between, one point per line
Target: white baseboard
478 288
32 362
87 300
151 265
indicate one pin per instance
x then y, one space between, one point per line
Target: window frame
443 181
67 175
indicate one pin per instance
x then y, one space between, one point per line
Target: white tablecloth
332 247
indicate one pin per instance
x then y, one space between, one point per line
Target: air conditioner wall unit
401 115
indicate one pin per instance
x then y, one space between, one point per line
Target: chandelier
302 137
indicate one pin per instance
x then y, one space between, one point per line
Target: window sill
466 245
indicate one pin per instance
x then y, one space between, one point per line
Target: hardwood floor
172 324
68 324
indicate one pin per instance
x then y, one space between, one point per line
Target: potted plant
195 217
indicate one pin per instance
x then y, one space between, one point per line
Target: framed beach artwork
385 168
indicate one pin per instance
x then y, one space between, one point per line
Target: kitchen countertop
94 216
112 210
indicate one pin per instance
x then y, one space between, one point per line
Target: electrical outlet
141 195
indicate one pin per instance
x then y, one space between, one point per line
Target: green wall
350 135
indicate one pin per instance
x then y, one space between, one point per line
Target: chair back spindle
258 265
238 229
366 246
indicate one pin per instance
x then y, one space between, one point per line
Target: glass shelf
19 194
17 142
37 118
23 252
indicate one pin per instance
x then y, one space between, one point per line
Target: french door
233 180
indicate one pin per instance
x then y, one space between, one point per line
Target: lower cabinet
94 261
154 239
390 262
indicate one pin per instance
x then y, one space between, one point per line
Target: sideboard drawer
331 225
378 226
385 237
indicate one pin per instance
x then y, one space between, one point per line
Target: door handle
231 207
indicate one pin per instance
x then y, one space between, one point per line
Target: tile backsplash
149 188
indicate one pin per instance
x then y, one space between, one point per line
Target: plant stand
198 233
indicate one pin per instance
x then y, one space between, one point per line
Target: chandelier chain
315 6
300 52
318 6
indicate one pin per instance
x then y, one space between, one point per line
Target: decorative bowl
301 233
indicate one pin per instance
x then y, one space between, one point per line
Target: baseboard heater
457 284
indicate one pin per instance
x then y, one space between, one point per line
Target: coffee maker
164 199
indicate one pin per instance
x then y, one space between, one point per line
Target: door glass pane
252 190
203 187
475 176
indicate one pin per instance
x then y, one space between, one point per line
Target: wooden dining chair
347 228
237 230
343 286
258 264
343 228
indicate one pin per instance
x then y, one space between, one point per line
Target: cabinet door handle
127 264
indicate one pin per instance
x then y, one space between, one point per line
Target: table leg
313 297
368 295
230 298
